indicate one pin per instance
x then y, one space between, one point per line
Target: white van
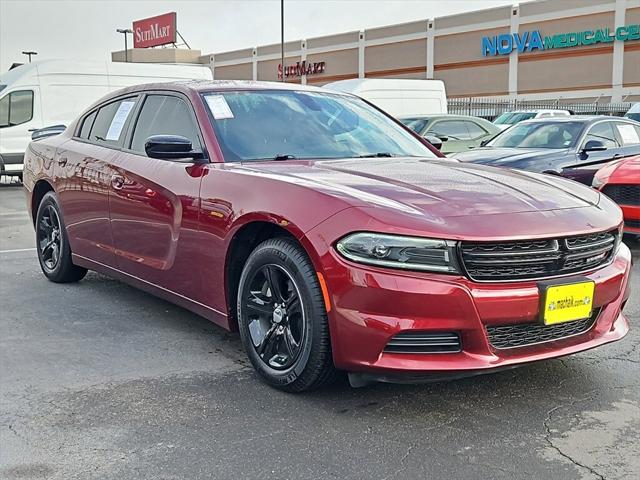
398 97
634 112
54 92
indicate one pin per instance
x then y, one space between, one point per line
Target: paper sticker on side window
119 119
219 107
629 134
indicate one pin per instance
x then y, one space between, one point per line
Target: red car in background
620 181
330 235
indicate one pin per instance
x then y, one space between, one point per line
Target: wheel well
39 191
242 244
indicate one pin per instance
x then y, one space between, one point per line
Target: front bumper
631 215
370 305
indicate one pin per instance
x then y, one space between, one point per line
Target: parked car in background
507 119
458 133
620 181
48 93
343 243
398 97
573 146
634 112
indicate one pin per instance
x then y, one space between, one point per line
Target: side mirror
594 146
435 141
443 138
170 147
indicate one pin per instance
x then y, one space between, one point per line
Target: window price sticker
219 107
119 119
628 133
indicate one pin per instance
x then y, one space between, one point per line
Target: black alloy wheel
276 317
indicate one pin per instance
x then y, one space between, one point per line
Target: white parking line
17 250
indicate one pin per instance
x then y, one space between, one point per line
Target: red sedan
327 233
620 181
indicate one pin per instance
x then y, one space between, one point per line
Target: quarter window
86 125
16 108
603 132
109 126
164 115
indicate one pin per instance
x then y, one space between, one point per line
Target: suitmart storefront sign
533 40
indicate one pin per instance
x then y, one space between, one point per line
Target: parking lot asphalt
99 380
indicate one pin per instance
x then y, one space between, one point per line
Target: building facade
573 49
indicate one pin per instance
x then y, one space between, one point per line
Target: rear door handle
62 161
117 182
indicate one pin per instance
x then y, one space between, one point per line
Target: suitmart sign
533 40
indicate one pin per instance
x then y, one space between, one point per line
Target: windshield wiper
281 156
376 155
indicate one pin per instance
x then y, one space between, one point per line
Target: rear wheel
282 317
52 244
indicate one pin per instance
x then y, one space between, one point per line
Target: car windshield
539 135
511 118
288 124
415 124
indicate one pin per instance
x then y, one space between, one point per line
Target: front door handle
617 156
117 182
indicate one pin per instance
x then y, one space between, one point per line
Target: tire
52 243
287 341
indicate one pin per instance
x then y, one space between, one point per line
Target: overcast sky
85 29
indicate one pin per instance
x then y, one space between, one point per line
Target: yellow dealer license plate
566 303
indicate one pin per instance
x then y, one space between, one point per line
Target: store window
16 108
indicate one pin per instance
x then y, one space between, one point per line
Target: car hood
506 156
431 187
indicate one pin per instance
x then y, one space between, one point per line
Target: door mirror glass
170 147
435 141
594 146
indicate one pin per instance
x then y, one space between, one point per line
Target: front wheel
282 317
52 243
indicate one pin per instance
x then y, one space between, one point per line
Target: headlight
409 253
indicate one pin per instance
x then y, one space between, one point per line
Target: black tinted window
16 108
86 126
110 123
164 115
603 132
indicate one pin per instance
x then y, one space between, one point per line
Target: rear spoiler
40 133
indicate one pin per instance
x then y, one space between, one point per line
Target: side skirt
198 308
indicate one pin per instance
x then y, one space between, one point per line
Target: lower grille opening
525 334
424 342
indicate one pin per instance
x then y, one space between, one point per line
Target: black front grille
623 194
523 260
524 334
424 342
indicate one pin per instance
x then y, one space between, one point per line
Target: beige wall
339 65
475 81
379 59
243 71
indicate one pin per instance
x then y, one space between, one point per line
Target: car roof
217 85
539 110
438 115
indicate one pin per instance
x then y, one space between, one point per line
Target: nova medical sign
533 40
154 31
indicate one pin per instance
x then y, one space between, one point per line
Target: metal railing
490 108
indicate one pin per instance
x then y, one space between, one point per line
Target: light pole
282 36
29 54
126 48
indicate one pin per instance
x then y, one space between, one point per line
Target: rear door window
628 133
454 129
475 130
164 115
110 124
